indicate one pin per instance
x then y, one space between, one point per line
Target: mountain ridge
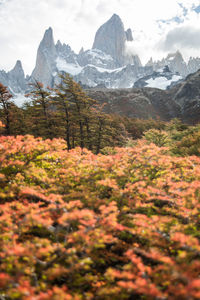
110 67
106 64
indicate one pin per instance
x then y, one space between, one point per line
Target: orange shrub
74 225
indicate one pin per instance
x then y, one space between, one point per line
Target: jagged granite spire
129 36
58 45
48 41
16 78
45 62
81 50
110 38
17 71
193 64
65 52
176 63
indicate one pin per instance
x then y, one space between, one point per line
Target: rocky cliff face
187 96
45 62
110 39
137 103
129 36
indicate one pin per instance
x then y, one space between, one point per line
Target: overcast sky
159 26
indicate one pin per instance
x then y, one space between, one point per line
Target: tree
76 107
62 104
86 124
41 109
6 104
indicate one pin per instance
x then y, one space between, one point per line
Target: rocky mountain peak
177 56
193 64
129 36
16 78
81 50
48 41
150 63
45 61
115 18
58 44
18 64
17 71
111 63
176 63
110 38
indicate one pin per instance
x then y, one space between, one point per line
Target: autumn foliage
75 225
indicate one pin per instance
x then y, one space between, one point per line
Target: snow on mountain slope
123 77
107 64
161 79
96 57
72 69
162 82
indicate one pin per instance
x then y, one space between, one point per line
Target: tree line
68 112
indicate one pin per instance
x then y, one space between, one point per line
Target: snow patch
170 58
162 82
19 99
103 70
96 53
62 65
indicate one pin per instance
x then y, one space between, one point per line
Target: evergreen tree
62 105
41 110
76 107
6 104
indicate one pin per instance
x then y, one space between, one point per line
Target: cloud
130 48
182 37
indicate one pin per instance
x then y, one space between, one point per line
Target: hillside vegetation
75 225
110 212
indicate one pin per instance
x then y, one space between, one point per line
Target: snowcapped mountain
161 79
107 64
176 64
111 38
